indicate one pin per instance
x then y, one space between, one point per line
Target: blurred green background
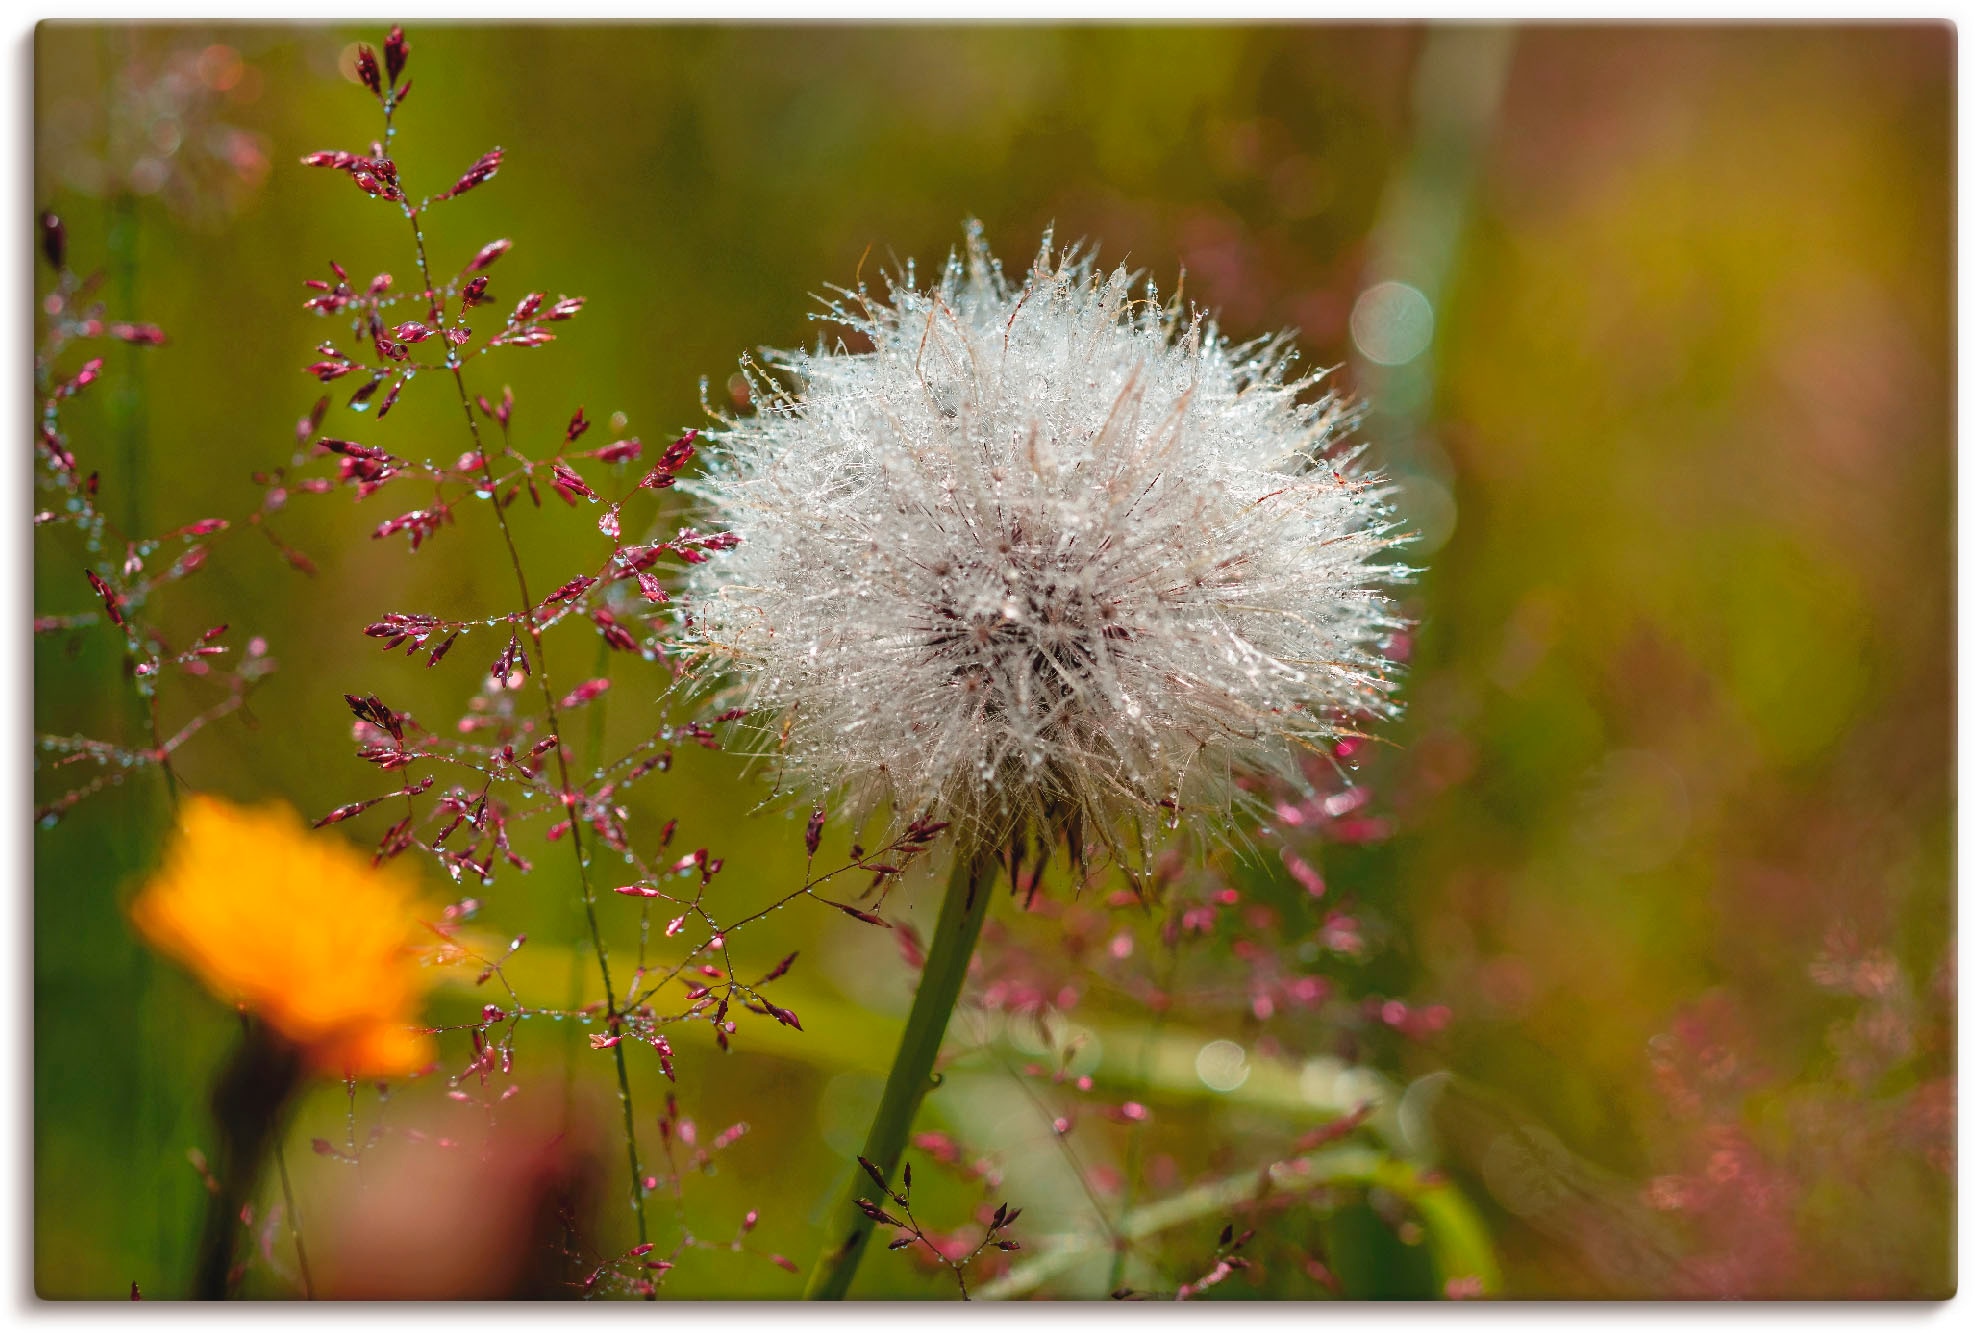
1666 381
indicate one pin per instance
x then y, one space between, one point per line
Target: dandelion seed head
1050 549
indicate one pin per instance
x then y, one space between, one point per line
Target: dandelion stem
963 906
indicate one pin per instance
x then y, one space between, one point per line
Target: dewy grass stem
963 907
542 674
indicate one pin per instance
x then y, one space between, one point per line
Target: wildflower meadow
1136 663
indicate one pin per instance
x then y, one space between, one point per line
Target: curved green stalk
949 949
1457 1236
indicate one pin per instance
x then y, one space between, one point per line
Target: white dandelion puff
1049 551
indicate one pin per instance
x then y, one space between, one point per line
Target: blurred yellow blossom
298 928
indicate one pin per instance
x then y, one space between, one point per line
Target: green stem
127 401
249 1100
1458 1239
949 949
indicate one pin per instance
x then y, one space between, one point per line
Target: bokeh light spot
1392 323
1222 1066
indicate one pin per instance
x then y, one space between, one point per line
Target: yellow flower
298 928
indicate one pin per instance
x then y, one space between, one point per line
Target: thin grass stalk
295 1224
541 673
